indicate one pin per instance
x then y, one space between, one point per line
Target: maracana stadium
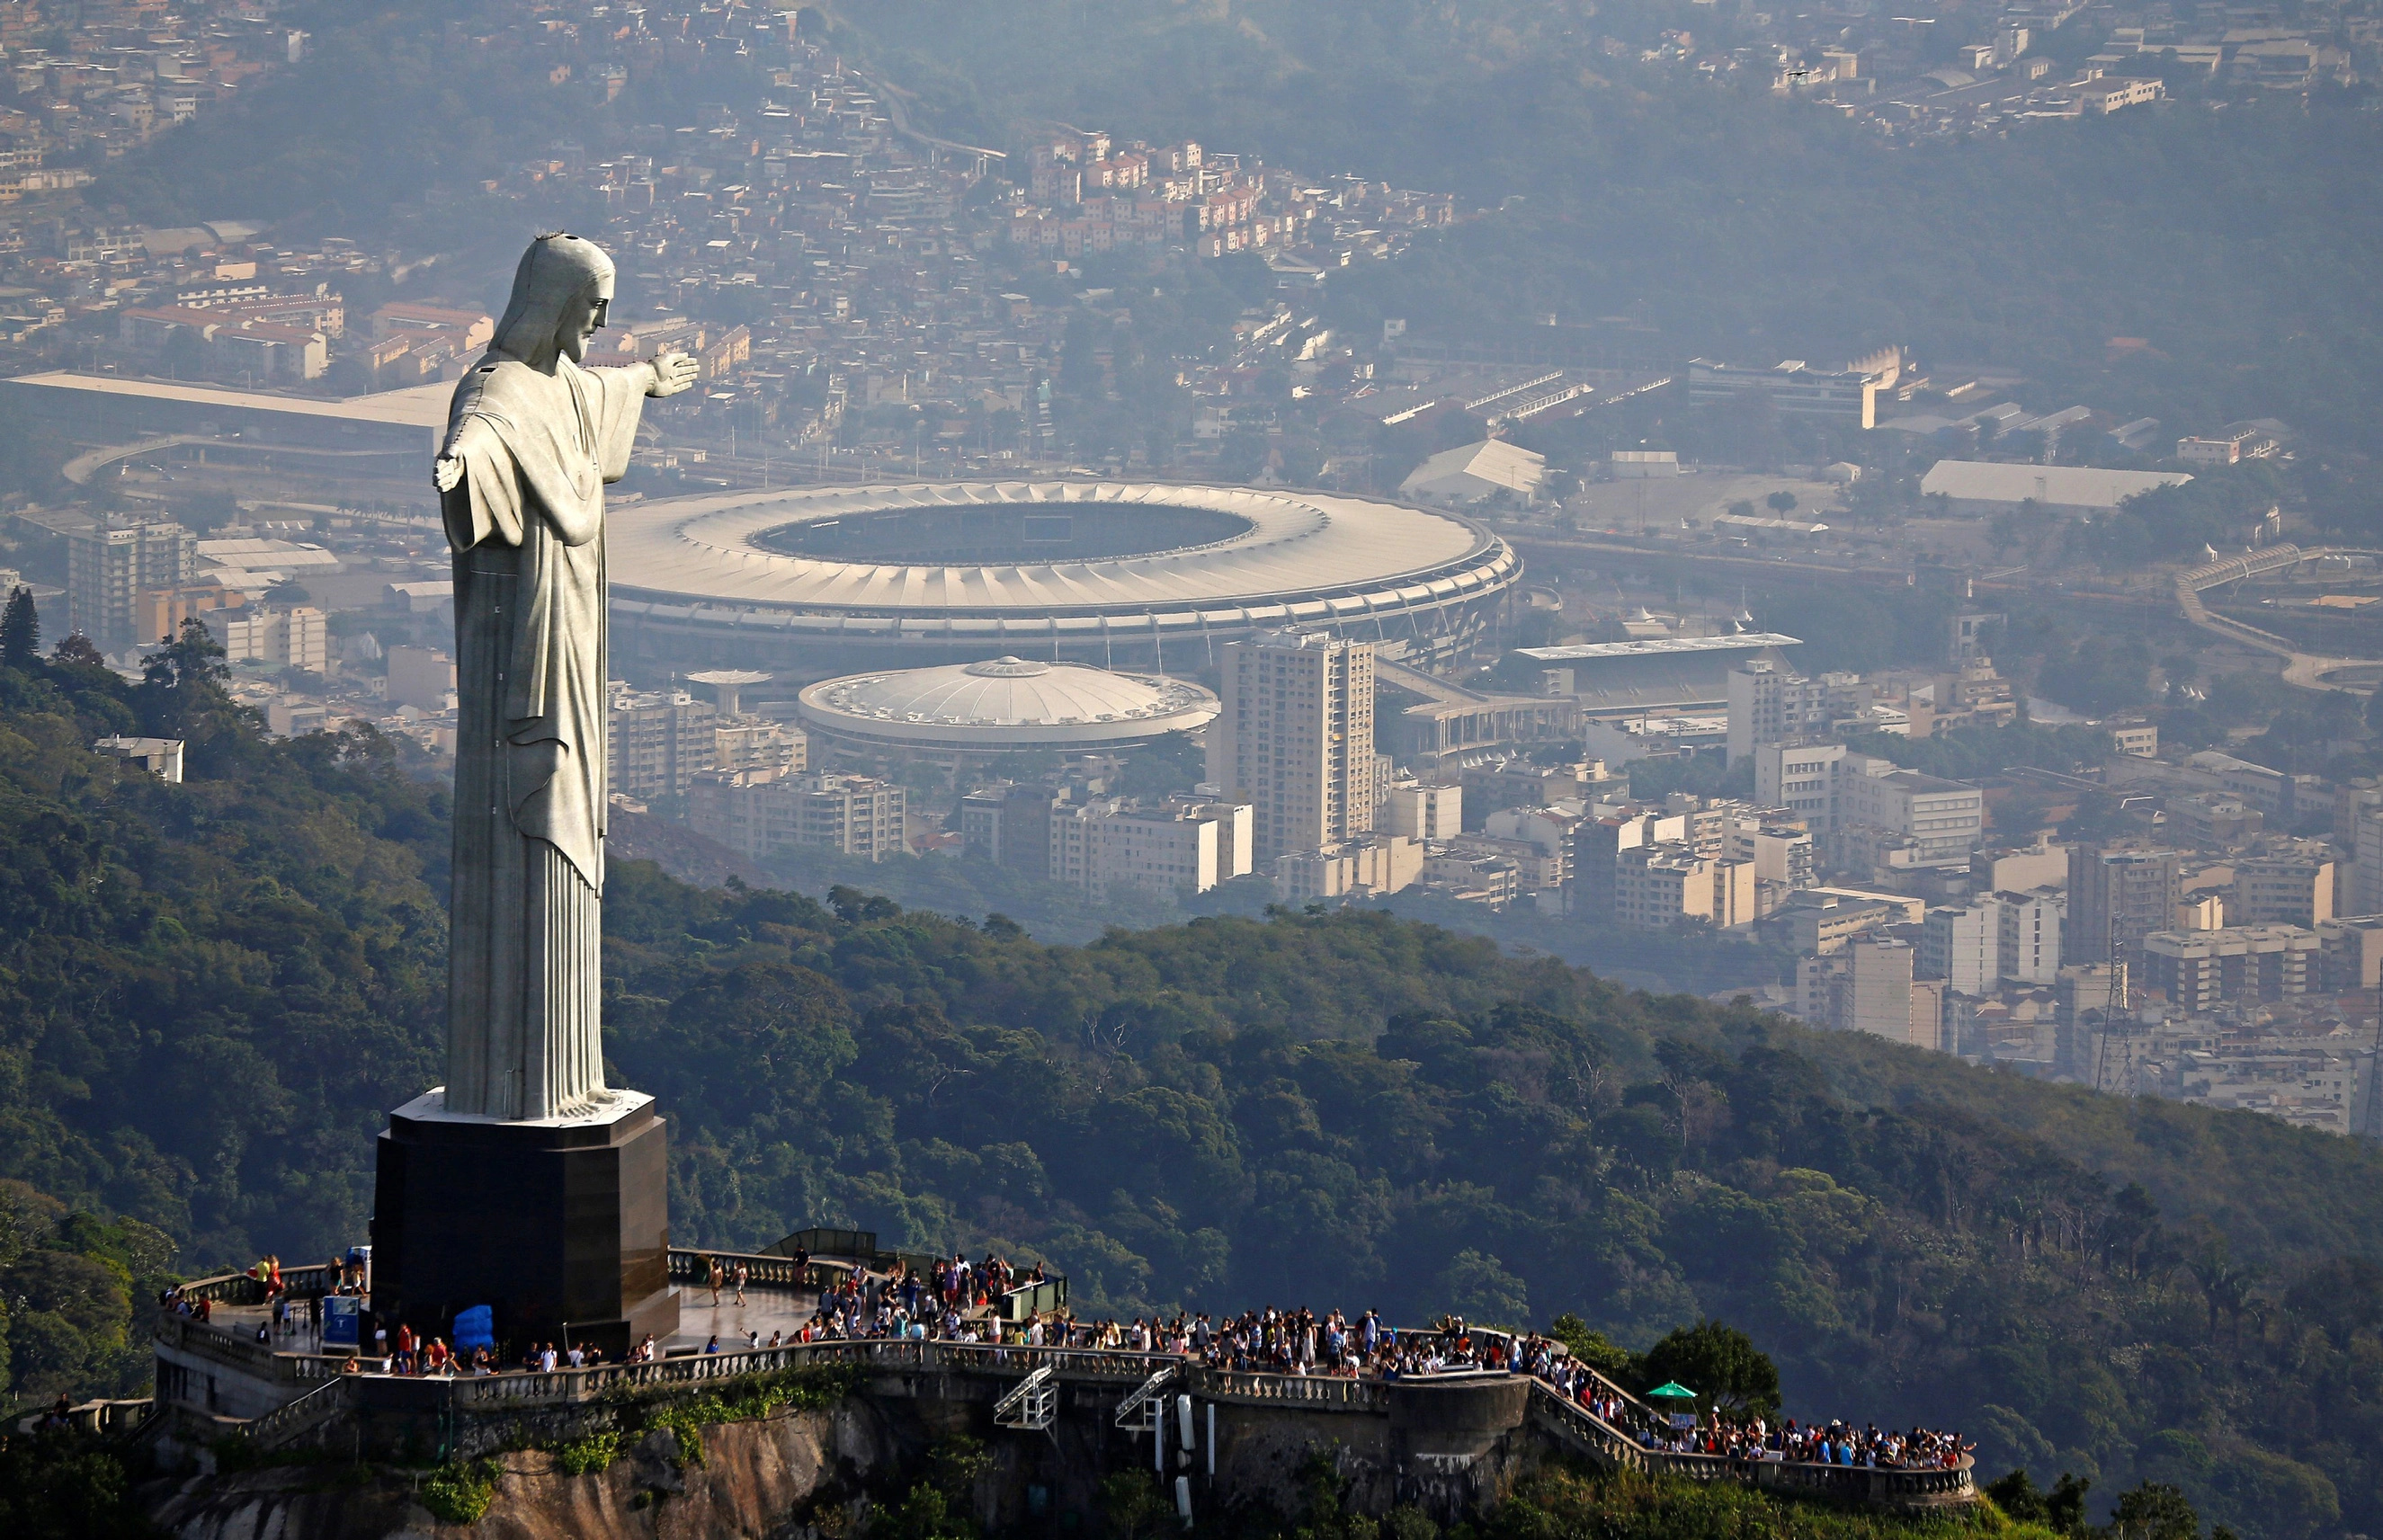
816 581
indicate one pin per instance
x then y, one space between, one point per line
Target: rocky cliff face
1451 1450
765 1478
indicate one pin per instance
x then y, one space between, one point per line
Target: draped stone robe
526 525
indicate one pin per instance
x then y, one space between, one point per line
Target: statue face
582 318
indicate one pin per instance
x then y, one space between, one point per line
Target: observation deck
1463 1432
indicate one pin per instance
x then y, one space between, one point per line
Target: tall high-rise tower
108 567
1296 739
2115 898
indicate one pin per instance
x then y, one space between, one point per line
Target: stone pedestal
558 1225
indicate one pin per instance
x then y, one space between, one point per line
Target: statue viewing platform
1452 1437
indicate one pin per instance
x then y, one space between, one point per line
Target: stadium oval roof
1003 704
1288 546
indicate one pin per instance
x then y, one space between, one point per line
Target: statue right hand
446 472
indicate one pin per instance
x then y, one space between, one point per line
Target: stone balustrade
564 1387
693 1268
293 1419
1572 1423
1322 1390
107 1417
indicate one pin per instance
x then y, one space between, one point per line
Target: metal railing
1033 1406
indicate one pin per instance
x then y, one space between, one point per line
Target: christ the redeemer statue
531 440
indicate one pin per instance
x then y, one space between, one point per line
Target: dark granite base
563 1227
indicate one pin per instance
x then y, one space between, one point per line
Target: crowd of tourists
408 1354
1831 1444
955 1300
1752 1438
952 1304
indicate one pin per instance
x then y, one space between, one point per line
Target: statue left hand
674 371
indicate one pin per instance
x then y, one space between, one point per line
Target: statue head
561 293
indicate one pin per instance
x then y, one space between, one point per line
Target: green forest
211 993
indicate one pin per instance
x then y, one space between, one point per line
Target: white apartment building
1187 845
656 742
1799 777
1547 831
1780 848
1869 987
1768 704
1371 863
1423 809
1944 818
855 814
2199 971
107 567
2367 848
762 813
2029 947
298 638
1598 844
1962 945
1536 869
1659 886
757 742
1295 740
1994 937
1184 845
1472 876
1834 789
2282 890
160 756
745 810
1071 839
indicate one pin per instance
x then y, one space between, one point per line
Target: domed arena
1001 706
1113 573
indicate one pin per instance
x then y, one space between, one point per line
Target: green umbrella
1672 1392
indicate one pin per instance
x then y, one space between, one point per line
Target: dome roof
1006 703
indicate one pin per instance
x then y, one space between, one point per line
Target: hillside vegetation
211 993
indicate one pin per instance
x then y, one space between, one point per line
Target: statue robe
526 525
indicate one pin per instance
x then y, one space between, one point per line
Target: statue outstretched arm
472 438
674 371
476 486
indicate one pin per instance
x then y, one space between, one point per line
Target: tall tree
1721 1364
20 631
